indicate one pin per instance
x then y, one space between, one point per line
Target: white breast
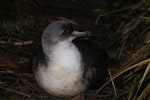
64 74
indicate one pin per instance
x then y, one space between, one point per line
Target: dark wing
39 58
95 62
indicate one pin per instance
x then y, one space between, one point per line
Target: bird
67 65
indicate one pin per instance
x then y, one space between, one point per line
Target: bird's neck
63 55
49 48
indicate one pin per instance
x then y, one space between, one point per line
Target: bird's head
59 31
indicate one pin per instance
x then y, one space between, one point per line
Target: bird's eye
66 32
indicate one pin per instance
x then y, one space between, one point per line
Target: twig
120 52
141 81
23 43
145 18
20 43
96 22
123 70
17 92
7 71
9 39
122 9
112 81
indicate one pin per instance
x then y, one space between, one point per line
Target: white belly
64 74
